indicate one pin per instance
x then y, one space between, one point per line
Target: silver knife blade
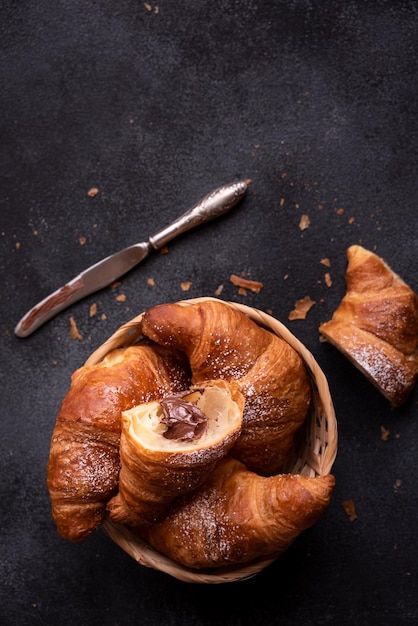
105 272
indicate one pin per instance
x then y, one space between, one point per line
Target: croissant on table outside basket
83 465
169 447
238 516
223 342
376 325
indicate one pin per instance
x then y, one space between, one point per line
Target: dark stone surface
317 104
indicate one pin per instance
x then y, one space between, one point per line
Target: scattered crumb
328 280
35 232
74 334
93 310
326 262
305 222
340 211
92 192
243 283
147 6
17 245
384 433
54 362
121 298
281 201
115 284
350 509
186 285
397 484
301 309
151 282
351 220
82 241
103 317
219 290
164 250
286 276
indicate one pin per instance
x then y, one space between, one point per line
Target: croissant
376 325
238 516
222 342
84 463
169 448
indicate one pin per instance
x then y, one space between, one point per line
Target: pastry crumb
350 509
185 286
244 283
82 240
325 262
74 332
304 222
93 310
302 307
92 192
384 433
121 298
328 279
219 290
151 282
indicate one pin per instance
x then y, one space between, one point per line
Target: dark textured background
316 102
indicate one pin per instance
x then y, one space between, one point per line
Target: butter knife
105 272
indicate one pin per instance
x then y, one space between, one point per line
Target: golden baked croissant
84 461
376 325
222 342
169 447
238 516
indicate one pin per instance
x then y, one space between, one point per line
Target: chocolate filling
183 418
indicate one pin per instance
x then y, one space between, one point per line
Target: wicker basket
314 455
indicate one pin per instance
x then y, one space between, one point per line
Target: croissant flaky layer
84 462
238 516
222 342
169 448
376 325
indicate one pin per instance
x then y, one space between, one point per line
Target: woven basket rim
315 458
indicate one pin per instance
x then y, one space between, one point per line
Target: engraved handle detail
212 205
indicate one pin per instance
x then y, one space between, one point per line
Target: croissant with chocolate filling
376 325
238 516
169 447
84 461
223 342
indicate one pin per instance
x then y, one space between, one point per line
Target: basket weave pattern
314 455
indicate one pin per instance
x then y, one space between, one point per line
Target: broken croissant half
376 325
169 447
